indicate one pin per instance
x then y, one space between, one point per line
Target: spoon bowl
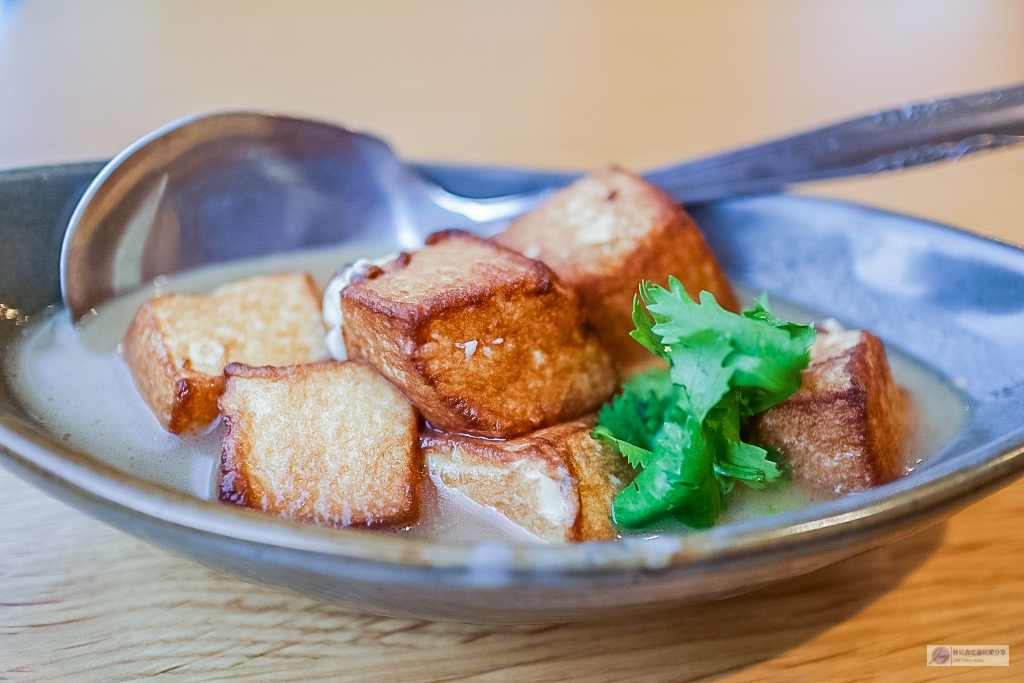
223 187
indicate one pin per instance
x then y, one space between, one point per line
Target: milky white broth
73 380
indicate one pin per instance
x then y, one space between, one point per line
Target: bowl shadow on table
704 641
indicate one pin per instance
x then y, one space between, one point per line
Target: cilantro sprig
681 426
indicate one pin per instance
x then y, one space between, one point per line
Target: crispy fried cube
557 483
332 443
849 427
178 344
481 339
605 233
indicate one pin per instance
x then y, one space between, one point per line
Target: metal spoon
222 187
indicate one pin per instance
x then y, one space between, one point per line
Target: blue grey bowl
952 301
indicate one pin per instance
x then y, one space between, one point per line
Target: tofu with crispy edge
849 427
332 443
178 344
605 233
557 483
481 339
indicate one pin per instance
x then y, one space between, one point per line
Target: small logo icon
939 656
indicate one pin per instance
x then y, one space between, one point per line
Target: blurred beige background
556 84
531 83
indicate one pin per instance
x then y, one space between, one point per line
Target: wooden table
540 84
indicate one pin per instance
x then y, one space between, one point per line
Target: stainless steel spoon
222 187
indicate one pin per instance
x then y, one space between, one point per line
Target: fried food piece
178 344
332 443
605 233
481 339
849 426
557 483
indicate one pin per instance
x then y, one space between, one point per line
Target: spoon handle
915 134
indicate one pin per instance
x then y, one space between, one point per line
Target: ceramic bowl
950 301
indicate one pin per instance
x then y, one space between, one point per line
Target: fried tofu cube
481 339
557 483
332 443
849 427
605 233
178 344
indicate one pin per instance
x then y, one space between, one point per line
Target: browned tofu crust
332 443
178 344
605 233
557 483
850 426
183 400
481 339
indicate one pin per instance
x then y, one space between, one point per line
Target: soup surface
73 380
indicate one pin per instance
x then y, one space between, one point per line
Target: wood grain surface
540 84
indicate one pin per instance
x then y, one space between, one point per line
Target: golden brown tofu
849 426
605 233
332 443
557 483
481 339
178 344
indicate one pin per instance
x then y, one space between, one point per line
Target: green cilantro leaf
698 367
636 455
804 334
636 415
682 427
680 482
644 333
749 464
